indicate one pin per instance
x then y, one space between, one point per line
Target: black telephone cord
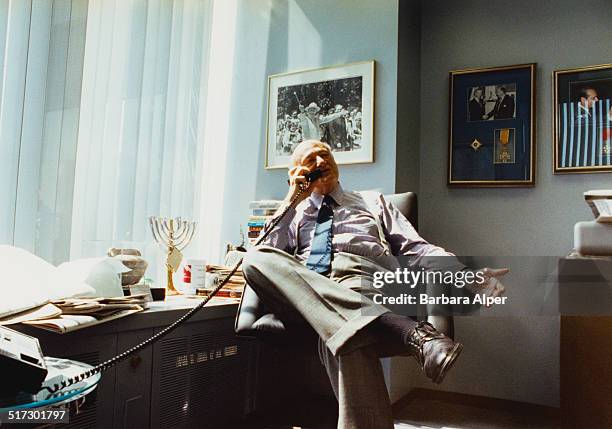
123 356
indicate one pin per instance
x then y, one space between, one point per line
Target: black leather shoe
435 352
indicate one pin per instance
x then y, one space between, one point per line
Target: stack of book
216 273
261 212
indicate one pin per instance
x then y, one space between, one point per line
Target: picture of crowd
330 111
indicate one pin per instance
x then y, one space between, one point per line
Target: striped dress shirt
354 228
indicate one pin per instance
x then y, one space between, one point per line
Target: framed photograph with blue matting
582 120
492 127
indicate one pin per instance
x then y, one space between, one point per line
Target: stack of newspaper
233 288
61 299
77 313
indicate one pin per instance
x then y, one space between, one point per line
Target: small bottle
194 275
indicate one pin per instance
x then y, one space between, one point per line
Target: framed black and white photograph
582 120
491 102
332 104
492 127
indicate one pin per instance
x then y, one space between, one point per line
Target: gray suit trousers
337 308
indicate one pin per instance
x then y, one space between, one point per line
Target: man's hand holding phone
297 177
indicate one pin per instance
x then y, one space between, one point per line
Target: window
102 109
41 50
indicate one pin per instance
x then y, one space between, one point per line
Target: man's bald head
312 155
304 147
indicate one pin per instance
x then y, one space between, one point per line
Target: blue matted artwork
492 127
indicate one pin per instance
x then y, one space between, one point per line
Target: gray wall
281 36
477 33
407 156
506 357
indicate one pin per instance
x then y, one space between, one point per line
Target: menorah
173 234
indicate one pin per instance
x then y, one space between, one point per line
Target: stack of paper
100 307
233 288
80 313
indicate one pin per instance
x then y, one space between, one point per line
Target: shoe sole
448 362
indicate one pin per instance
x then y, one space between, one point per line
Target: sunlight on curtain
213 197
141 123
41 51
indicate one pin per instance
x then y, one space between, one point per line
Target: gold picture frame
582 119
333 104
484 103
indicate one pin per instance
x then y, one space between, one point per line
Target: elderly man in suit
504 106
319 264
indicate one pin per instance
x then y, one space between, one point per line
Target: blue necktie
321 246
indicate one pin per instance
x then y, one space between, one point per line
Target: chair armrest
250 309
255 321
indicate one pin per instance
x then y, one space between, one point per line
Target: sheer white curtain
102 108
41 51
141 120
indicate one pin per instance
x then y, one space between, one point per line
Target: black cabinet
199 375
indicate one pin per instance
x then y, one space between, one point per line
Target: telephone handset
314 175
310 177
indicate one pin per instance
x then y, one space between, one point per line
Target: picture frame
492 127
582 119
333 104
